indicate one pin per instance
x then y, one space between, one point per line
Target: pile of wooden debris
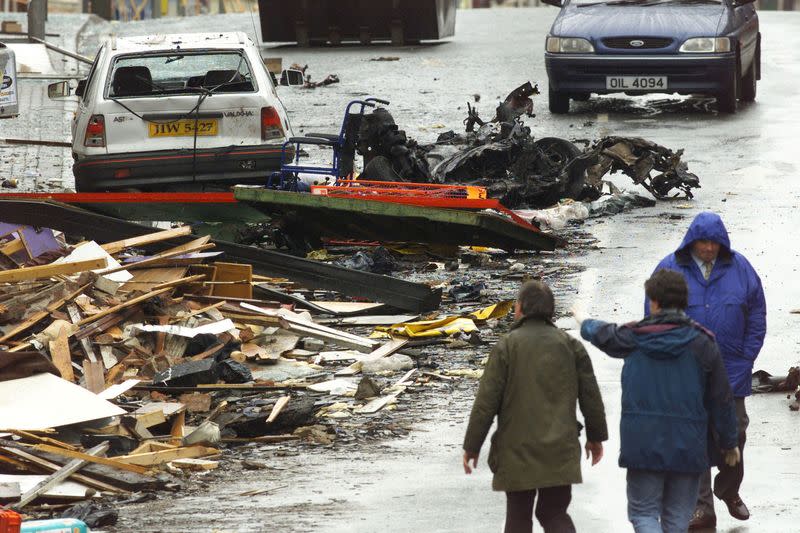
119 370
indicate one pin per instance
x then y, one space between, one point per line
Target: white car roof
186 41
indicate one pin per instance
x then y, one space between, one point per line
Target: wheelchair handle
378 100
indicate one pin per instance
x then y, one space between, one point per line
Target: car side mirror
81 88
556 3
58 90
292 77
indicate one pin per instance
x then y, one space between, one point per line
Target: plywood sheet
65 489
44 400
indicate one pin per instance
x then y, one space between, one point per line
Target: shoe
701 520
737 508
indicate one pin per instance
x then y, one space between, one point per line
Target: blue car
653 46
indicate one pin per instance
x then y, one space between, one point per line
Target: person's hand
469 456
595 449
732 456
578 314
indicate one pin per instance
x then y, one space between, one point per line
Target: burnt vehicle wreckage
521 171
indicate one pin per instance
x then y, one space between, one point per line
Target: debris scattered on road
159 359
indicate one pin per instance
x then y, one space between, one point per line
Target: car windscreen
179 72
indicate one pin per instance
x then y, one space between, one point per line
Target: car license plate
184 128
636 83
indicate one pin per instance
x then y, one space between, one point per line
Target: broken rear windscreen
180 72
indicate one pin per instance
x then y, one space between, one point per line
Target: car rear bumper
685 74
177 168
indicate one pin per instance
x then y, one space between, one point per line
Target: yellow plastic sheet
444 327
498 310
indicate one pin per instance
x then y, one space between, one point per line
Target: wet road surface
748 165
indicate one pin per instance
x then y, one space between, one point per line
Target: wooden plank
142 240
196 312
195 464
293 322
155 260
125 305
241 274
33 437
75 318
94 376
186 247
176 431
61 356
277 408
151 279
114 463
180 281
41 315
379 403
48 271
393 346
165 456
59 475
336 339
49 466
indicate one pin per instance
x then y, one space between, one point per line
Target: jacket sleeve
489 398
719 396
614 340
590 400
756 323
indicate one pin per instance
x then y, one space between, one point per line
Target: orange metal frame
419 194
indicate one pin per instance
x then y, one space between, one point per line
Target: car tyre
750 81
727 100
559 102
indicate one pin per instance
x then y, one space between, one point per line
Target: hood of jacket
706 226
664 336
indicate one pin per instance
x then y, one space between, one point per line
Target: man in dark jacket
725 296
532 381
673 382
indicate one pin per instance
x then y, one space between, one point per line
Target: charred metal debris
521 170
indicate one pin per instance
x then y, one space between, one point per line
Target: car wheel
559 102
750 81
727 100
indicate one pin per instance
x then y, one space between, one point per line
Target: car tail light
271 127
95 131
122 173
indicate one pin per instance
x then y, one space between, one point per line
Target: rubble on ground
126 372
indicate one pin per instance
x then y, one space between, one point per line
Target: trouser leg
729 479
645 493
705 498
679 501
551 509
519 511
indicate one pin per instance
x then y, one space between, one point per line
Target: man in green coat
532 381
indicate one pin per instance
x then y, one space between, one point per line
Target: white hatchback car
177 112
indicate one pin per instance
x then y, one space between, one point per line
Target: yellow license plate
184 128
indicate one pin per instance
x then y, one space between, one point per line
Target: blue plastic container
57 525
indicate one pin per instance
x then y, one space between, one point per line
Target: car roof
186 41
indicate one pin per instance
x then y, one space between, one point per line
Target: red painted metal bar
127 197
422 200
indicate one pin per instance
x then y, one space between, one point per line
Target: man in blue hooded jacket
726 297
673 385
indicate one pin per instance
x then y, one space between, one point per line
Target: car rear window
179 73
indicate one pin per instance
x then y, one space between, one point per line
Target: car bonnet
680 21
